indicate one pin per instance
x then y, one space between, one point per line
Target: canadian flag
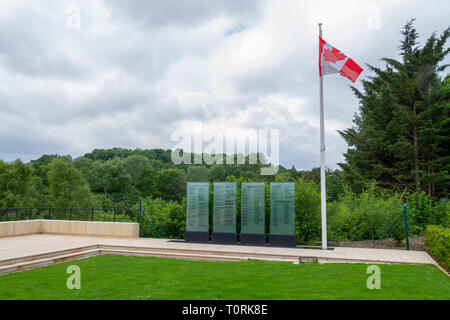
331 60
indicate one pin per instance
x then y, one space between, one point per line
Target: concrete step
209 252
20 266
45 259
45 255
176 255
187 255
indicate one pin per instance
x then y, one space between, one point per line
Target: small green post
405 216
139 214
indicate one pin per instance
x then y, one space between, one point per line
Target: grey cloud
186 13
31 43
24 139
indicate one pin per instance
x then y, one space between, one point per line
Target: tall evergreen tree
400 133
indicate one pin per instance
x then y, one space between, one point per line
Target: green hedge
438 242
168 219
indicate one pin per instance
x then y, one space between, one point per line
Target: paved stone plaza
22 246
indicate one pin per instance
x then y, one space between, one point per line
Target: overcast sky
132 72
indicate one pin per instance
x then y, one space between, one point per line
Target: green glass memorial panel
253 207
282 208
197 215
224 207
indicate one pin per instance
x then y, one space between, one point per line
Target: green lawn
117 277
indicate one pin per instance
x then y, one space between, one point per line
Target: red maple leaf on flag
333 55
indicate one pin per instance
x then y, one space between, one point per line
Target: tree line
118 178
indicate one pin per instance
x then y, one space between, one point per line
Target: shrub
307 211
441 213
420 207
438 242
167 217
109 217
364 216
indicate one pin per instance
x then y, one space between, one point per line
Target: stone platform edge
89 228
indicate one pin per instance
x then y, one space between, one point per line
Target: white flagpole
323 189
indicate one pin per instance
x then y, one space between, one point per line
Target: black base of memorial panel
252 239
281 240
224 237
196 237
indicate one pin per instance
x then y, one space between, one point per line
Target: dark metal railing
82 214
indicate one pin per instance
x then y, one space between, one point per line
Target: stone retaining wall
91 228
